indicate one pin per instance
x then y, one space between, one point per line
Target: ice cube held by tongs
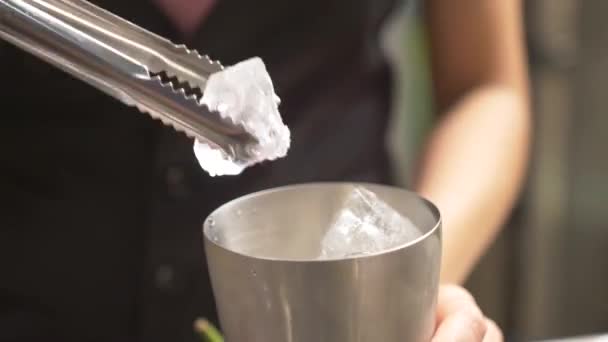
133 65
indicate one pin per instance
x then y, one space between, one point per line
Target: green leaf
207 331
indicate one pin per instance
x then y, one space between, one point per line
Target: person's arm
475 159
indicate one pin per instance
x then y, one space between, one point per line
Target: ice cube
366 225
214 161
244 93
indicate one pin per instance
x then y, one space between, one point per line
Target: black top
101 213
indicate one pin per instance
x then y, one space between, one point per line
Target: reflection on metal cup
269 285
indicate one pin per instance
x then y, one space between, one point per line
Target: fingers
452 299
460 319
493 332
462 326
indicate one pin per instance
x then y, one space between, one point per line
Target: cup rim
430 205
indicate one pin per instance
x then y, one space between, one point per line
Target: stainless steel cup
269 286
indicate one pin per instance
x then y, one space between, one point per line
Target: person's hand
460 319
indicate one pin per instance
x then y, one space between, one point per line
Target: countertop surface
589 338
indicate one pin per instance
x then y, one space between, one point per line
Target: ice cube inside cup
365 225
350 220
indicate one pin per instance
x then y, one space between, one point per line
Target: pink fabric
186 15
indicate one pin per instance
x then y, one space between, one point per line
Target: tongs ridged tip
224 123
194 53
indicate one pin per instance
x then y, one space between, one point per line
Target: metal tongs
131 64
